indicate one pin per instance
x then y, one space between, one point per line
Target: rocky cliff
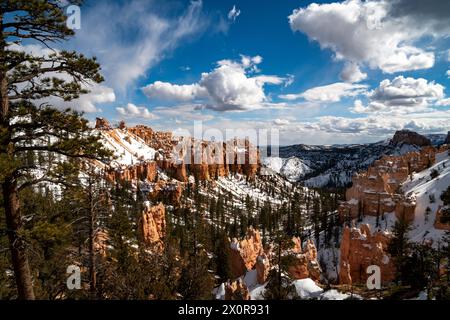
377 191
360 249
410 138
153 224
305 264
244 253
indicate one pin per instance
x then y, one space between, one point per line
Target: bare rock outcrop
360 249
102 124
141 171
236 290
377 191
167 192
411 138
305 264
244 253
153 224
438 224
262 268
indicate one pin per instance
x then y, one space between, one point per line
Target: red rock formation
297 245
168 192
141 171
262 268
410 137
377 191
100 242
244 253
305 264
236 290
360 249
153 224
438 224
102 124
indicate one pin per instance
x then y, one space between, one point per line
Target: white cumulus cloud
329 93
367 32
133 111
402 94
230 86
352 73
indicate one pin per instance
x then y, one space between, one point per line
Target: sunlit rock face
244 253
304 263
236 290
102 124
153 224
262 268
438 224
361 249
377 191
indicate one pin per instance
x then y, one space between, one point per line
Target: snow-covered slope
293 168
321 166
128 148
424 188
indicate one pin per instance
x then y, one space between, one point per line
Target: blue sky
320 72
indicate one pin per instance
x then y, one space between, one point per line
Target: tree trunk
4 101
92 266
17 245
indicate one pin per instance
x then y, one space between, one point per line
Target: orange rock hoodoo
181 157
438 224
236 290
360 249
141 171
205 160
304 264
377 191
244 255
153 224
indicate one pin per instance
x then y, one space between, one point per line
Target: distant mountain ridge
334 165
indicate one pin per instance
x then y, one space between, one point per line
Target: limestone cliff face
153 224
304 264
360 249
411 138
377 191
244 253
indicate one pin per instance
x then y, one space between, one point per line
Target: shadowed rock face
411 138
360 249
447 140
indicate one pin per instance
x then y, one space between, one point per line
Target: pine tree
399 247
24 78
